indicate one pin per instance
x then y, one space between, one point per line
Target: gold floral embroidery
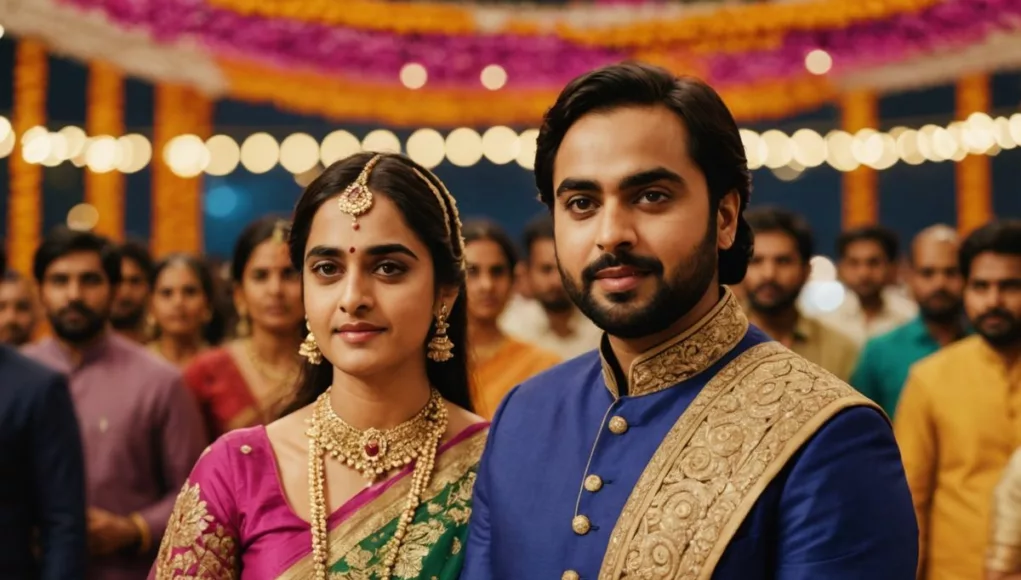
686 355
194 546
717 459
455 548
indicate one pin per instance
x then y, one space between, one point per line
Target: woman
183 320
378 435
500 362
245 382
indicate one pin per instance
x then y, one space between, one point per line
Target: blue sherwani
42 474
777 471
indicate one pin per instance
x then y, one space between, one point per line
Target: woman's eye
325 269
390 269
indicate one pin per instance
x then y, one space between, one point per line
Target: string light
818 62
414 76
493 77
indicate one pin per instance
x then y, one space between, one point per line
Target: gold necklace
278 378
377 452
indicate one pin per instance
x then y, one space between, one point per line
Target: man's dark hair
540 228
776 220
63 241
137 252
713 139
997 237
885 237
3 260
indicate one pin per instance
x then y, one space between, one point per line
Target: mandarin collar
684 356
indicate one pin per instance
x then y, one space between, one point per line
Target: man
936 284
689 445
778 271
550 321
141 428
132 300
42 474
18 310
867 264
959 417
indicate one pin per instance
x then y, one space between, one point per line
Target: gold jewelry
274 377
330 435
458 245
357 197
440 345
310 348
280 231
243 328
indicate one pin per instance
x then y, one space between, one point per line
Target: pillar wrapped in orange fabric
105 116
177 201
858 111
25 201
974 193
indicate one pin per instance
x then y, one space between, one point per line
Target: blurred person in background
936 284
131 304
19 309
499 362
141 429
867 265
959 417
243 382
1003 555
182 316
42 473
776 274
549 320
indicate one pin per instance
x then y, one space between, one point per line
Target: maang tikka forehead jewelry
356 199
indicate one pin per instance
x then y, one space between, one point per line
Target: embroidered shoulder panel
196 546
717 459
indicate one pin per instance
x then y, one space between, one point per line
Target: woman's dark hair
214 330
254 234
394 177
713 139
480 229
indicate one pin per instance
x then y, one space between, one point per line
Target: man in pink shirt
142 431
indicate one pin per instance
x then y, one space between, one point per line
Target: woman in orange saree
243 382
369 474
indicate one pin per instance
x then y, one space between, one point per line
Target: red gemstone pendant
372 449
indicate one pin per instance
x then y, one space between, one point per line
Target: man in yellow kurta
959 418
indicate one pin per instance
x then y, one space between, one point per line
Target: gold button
593 483
103 424
246 449
570 575
581 525
618 426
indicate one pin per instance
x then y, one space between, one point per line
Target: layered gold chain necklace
373 453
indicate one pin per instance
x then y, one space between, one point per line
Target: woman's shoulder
466 432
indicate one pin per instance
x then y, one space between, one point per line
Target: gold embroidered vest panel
716 461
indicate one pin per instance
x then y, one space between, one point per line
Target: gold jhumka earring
310 348
441 345
243 328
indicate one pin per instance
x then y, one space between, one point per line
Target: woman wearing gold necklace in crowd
246 381
377 455
182 318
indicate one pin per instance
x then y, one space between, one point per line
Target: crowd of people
646 394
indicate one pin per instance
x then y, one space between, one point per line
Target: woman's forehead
382 223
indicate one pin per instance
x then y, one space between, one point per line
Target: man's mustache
77 308
995 313
623 258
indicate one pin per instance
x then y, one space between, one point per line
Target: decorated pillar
177 201
25 200
974 191
859 111
105 116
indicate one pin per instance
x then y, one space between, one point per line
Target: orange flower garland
974 192
861 206
105 116
25 201
177 201
726 22
310 93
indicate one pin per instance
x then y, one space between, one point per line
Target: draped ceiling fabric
343 59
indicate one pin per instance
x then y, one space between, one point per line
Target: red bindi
352 249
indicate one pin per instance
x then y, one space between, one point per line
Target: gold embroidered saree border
451 465
687 477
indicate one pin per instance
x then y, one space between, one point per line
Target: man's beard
128 319
14 335
91 325
559 302
785 300
1008 337
671 300
951 312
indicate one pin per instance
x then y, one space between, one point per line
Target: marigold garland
339 98
105 116
974 191
177 201
859 110
25 200
727 22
